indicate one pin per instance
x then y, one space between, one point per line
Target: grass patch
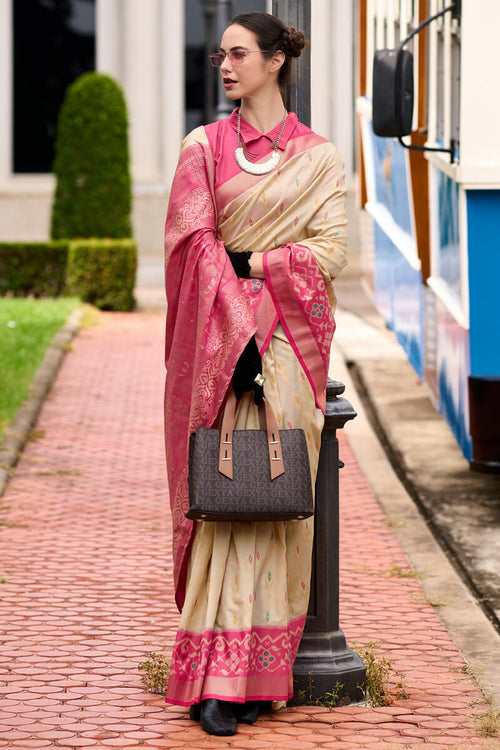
396 571
488 723
13 525
379 675
441 599
156 669
395 522
27 326
306 696
378 672
90 316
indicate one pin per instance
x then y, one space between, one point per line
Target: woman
255 233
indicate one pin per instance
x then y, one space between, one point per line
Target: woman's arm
256 266
326 230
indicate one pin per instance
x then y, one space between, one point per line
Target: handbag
249 475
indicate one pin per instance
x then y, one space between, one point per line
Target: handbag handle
276 464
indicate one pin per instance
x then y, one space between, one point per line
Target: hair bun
294 41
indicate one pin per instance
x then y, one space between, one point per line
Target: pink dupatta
209 322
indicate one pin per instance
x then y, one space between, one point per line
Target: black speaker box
392 94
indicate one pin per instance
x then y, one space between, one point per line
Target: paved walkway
86 592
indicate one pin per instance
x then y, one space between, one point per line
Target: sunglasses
236 56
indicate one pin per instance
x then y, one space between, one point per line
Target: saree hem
240 664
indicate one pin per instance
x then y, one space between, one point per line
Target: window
54 42
444 77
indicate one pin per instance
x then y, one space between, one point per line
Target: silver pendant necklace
264 167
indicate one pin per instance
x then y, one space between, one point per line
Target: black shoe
217 718
246 713
194 712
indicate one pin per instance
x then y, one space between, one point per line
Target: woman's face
254 74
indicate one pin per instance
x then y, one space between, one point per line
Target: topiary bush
33 268
91 164
102 272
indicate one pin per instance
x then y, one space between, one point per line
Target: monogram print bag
249 475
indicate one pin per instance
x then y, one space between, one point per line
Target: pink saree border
244 664
296 321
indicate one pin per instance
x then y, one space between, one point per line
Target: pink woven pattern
209 322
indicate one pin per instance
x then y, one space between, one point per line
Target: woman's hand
247 265
247 368
256 266
240 263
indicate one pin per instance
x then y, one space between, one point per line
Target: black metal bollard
324 661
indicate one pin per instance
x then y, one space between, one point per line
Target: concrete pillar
321 64
140 43
108 28
171 94
342 81
332 75
142 79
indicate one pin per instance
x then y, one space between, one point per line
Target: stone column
142 79
108 36
171 94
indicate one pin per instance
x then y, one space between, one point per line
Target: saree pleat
248 583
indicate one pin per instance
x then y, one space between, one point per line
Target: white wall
332 75
479 96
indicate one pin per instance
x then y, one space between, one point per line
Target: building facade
156 50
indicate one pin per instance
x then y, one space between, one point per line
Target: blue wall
391 180
453 369
483 222
398 283
398 296
452 339
448 261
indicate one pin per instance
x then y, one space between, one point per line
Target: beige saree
243 588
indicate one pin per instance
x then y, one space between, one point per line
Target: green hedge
37 269
99 271
102 272
93 194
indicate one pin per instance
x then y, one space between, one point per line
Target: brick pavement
86 592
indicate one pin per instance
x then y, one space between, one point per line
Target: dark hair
272 35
